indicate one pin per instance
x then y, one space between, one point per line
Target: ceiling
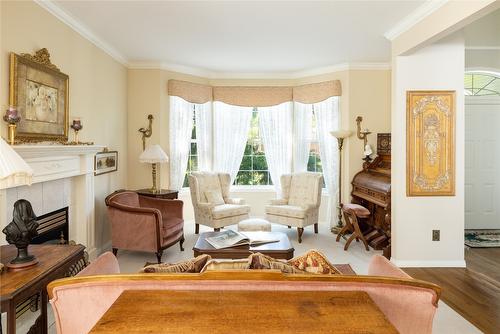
243 37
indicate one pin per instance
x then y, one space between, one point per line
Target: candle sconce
363 135
146 133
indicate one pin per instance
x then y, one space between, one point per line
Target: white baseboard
429 264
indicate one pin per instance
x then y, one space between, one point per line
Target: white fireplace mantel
74 164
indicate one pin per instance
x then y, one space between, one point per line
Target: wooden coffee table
282 249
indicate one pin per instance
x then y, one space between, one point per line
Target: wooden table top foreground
162 311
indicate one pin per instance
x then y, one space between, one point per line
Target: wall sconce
146 133
362 134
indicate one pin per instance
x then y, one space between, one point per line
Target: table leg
44 311
11 318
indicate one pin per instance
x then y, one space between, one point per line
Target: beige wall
365 93
98 87
482 59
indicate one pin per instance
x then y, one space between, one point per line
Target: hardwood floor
473 292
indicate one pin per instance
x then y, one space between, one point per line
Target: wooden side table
54 261
163 193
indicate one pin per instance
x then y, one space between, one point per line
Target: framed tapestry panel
40 93
430 143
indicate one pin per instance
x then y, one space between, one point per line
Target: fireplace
53 227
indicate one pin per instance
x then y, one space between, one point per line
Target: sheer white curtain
327 120
276 128
231 126
302 123
203 117
181 126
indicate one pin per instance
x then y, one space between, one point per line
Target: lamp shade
153 154
341 134
14 171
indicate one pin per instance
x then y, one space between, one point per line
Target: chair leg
342 231
351 238
359 234
300 230
115 251
316 228
196 228
217 229
158 255
181 242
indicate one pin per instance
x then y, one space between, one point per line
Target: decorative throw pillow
261 261
217 264
313 262
189 266
214 197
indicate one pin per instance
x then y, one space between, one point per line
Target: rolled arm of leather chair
169 208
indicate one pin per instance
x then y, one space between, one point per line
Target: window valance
254 96
317 92
191 92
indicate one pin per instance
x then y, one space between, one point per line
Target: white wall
482 60
439 66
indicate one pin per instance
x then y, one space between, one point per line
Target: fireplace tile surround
63 176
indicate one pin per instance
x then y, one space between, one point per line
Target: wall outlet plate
435 235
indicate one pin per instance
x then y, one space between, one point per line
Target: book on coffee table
230 238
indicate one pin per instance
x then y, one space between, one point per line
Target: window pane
259 162
194 162
246 163
193 149
185 183
248 149
260 178
243 178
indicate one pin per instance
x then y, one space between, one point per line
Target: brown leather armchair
144 223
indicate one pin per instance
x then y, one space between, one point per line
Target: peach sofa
79 302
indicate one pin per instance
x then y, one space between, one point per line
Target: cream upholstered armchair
299 205
211 202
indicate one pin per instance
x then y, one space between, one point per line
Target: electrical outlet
435 235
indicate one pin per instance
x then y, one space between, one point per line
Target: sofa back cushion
207 182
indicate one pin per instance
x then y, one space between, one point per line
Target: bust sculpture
20 231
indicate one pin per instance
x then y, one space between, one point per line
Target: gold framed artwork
40 92
105 162
430 143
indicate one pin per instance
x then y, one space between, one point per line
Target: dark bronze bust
21 230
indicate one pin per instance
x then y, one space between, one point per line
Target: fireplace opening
53 227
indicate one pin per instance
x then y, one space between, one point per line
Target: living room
239 88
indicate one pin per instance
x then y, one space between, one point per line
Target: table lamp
153 155
340 135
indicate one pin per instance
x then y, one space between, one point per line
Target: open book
230 238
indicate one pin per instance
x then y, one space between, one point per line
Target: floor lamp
340 135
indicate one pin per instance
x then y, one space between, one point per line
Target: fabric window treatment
276 128
231 126
302 123
189 91
181 126
254 96
327 120
204 130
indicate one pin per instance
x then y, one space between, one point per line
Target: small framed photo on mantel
105 162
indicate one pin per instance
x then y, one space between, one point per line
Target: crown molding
256 75
80 28
424 10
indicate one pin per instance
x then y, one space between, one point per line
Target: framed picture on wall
105 162
39 92
430 143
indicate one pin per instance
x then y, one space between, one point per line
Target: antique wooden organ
371 188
